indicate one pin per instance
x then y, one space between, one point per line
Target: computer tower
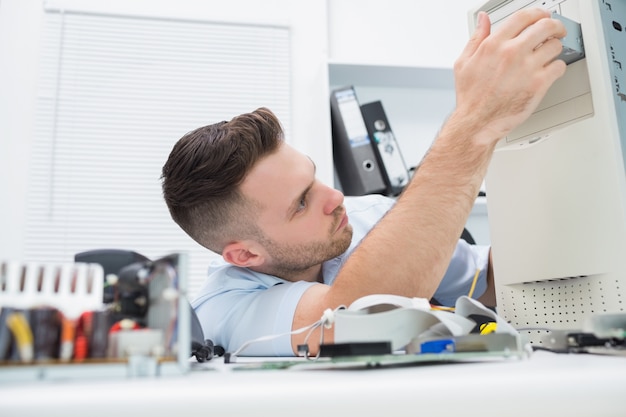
557 183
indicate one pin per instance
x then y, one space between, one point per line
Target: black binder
394 169
354 155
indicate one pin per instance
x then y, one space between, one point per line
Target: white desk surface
546 384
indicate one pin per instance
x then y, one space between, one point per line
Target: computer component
557 185
53 321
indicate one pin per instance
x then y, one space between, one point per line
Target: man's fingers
483 29
543 31
548 50
519 21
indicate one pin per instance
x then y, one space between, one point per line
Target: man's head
238 189
202 175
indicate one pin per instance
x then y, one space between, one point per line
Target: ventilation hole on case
57 280
3 277
617 26
23 279
40 277
74 281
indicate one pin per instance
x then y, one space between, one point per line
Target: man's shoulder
226 278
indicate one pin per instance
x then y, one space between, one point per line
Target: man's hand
502 76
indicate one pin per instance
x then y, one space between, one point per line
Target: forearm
499 79
394 258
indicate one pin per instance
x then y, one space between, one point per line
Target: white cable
274 336
327 320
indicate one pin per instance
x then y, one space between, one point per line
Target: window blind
114 95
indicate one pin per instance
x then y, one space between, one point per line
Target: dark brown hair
202 175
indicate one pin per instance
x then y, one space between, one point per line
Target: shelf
398 76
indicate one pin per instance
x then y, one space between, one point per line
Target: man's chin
346 237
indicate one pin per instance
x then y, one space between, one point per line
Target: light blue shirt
236 305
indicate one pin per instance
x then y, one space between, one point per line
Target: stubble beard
289 261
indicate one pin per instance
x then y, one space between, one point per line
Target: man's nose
334 200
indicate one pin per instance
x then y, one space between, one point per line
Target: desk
546 384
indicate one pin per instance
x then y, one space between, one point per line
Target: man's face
303 221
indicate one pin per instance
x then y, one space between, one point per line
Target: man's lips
343 222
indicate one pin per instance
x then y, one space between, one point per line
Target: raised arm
500 79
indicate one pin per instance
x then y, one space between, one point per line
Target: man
290 250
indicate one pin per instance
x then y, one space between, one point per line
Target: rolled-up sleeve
457 281
236 307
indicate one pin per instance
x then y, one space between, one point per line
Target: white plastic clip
328 318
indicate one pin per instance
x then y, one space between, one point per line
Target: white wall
398 32
390 32
20 27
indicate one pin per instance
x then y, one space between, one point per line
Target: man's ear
242 254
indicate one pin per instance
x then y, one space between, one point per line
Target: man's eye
301 205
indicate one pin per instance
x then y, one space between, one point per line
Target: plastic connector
328 318
303 350
573 46
438 346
